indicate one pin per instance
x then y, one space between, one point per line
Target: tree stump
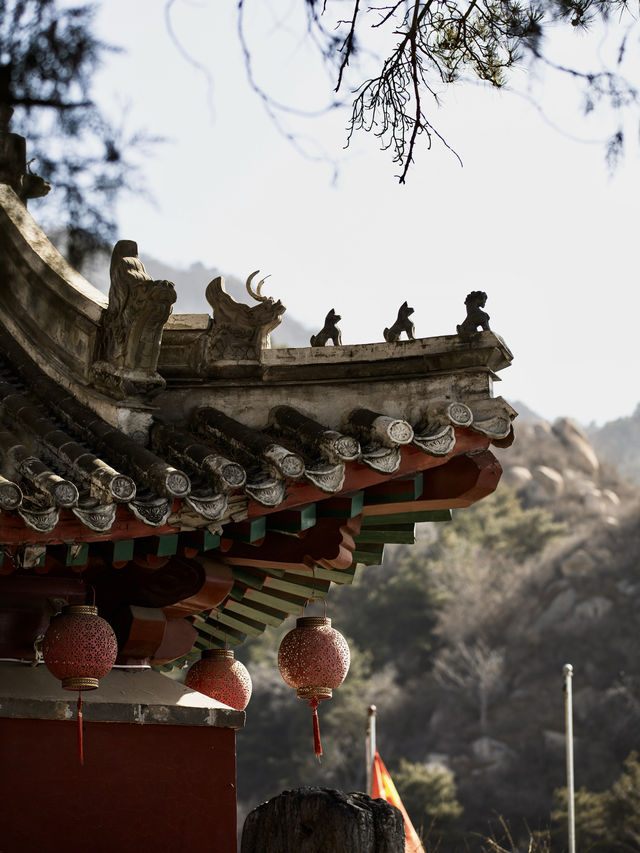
322 820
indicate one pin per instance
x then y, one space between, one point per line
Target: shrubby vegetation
608 820
429 795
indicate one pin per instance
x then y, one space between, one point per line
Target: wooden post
315 820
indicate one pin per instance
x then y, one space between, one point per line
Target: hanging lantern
79 648
314 658
219 675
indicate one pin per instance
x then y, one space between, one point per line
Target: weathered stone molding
123 697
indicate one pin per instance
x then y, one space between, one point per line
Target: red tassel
317 745
80 742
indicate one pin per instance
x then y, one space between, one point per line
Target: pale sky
533 217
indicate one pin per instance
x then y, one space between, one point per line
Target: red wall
142 788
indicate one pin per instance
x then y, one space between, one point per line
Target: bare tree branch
187 56
438 44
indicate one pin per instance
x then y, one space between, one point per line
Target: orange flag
383 788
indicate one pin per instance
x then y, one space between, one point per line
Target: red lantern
219 675
79 648
314 658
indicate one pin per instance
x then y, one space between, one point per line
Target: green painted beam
340 576
218 639
293 520
305 586
402 517
210 627
346 506
395 491
211 643
248 577
118 551
260 612
334 575
200 539
237 592
369 554
291 604
248 626
77 555
248 532
158 546
387 533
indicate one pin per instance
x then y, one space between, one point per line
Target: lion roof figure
475 302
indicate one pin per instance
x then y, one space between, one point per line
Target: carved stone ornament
497 427
99 518
10 494
327 478
285 463
14 169
329 332
269 492
402 324
238 332
493 418
384 460
439 443
338 446
374 429
32 185
460 414
131 332
42 521
476 317
211 508
154 512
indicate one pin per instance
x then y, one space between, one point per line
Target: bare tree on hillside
475 669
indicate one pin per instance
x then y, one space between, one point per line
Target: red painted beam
329 543
460 483
358 476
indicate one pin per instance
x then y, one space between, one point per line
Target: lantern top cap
218 654
79 610
313 622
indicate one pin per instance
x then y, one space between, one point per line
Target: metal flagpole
567 671
371 746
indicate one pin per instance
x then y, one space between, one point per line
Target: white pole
371 746
567 672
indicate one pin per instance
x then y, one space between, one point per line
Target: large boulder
580 453
549 480
516 477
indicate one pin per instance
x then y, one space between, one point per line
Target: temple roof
58 455
181 466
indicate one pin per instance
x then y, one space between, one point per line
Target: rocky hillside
557 466
495 715
619 443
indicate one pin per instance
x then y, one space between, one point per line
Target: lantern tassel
80 739
317 744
